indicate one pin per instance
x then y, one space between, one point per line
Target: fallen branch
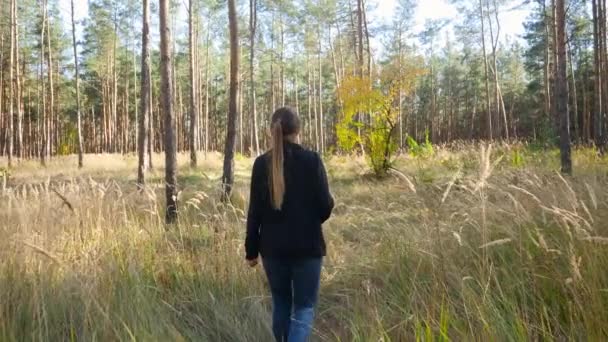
65 200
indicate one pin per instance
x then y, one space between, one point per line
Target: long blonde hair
284 123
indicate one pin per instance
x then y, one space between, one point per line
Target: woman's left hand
252 262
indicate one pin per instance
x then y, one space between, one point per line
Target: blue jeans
294 284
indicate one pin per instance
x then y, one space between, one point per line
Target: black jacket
295 230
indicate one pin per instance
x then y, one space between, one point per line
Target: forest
467 163
469 84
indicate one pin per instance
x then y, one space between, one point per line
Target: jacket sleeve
324 198
254 221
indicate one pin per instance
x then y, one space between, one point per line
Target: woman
289 201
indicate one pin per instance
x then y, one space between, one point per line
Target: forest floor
460 245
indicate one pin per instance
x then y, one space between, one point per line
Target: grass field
464 245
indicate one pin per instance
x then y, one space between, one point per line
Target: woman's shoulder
306 152
261 160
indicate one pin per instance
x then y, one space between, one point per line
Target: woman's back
289 201
295 229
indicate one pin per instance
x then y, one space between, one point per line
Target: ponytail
277 178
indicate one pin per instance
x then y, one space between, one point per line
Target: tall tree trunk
400 101
42 81
360 35
167 109
272 88
142 141
151 104
18 95
282 60
77 76
562 87
368 45
321 116
575 114
500 104
556 114
11 93
2 128
252 31
604 68
597 96
486 72
135 99
207 83
51 111
114 114
228 175
547 91
193 87
310 94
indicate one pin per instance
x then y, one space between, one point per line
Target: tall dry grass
466 245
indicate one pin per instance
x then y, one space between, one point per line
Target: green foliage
70 141
369 116
517 158
424 150
376 138
4 172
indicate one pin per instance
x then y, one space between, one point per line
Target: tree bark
11 91
193 87
575 114
43 135
142 141
603 68
486 71
19 98
228 174
51 111
360 35
252 31
167 108
77 76
207 83
321 115
562 88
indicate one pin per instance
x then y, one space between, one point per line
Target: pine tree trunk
321 116
2 128
207 83
135 99
562 87
51 111
18 95
309 99
486 72
150 110
193 87
43 134
169 116
272 88
252 31
555 115
359 39
604 68
368 45
282 61
77 76
500 104
575 114
228 174
11 93
547 67
142 141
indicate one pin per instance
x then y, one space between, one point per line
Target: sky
511 21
